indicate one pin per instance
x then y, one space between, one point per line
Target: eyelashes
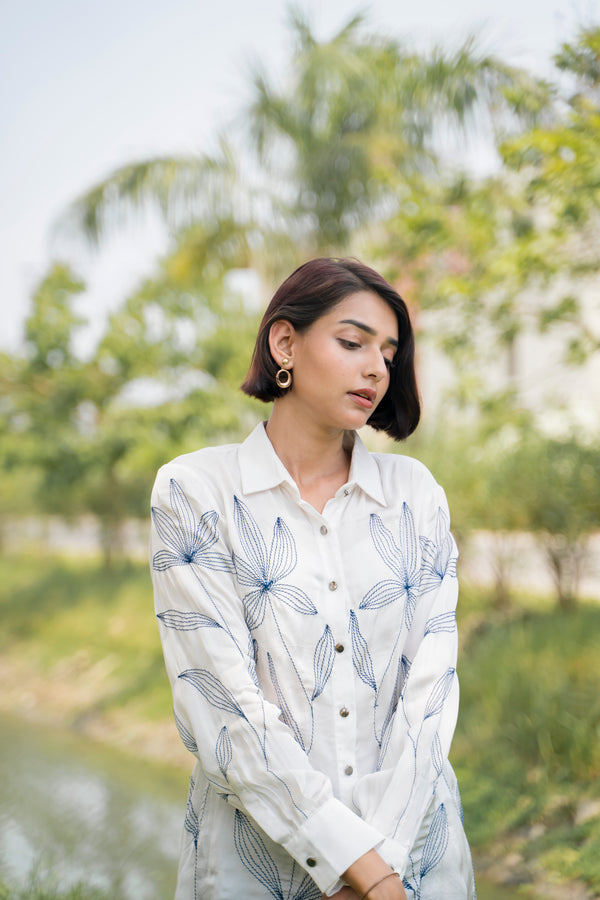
354 345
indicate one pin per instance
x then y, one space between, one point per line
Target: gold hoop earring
283 379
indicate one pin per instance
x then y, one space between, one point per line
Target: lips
365 397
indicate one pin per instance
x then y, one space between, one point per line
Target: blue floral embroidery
256 858
439 557
434 849
186 736
443 622
211 688
403 560
286 714
264 572
402 672
439 693
186 621
223 751
190 540
433 707
323 661
361 658
191 824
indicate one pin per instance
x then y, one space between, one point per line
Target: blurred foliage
527 746
45 889
348 152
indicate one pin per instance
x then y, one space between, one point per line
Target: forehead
368 308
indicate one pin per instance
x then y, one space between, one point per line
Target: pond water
79 813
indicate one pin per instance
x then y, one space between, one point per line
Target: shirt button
333 585
339 648
311 862
344 712
348 770
346 491
323 529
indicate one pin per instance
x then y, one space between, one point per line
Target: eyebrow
368 329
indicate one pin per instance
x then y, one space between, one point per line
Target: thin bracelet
385 877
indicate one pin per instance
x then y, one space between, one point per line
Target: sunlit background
163 168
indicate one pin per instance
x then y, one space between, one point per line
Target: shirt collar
261 469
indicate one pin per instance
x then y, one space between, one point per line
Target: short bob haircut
309 293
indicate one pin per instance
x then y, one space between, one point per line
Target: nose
377 366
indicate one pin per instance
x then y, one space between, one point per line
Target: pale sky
86 87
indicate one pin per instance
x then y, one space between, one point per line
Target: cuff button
311 862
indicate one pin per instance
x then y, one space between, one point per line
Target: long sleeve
247 750
422 712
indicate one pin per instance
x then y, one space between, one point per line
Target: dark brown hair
309 293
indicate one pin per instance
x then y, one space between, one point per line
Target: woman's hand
391 889
372 877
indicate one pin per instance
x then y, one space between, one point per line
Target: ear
281 340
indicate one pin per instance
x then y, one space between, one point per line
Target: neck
310 453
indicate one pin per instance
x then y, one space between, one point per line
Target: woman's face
341 364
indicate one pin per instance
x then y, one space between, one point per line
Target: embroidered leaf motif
191 822
255 856
408 540
211 688
436 841
246 574
401 671
186 621
253 659
437 755
282 555
286 713
403 560
223 750
189 540
255 606
251 539
186 736
438 695
385 545
264 572
385 741
294 598
307 890
360 654
383 593
323 661
193 819
444 622
439 558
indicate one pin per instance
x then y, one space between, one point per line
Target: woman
306 592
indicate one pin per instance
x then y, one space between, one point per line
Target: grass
527 747
90 630
42 890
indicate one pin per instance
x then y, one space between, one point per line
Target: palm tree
357 118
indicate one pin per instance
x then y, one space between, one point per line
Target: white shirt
312 659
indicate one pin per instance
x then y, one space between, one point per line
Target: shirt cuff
395 855
330 841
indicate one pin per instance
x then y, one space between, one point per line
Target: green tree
359 119
554 486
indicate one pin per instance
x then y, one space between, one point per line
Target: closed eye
354 345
